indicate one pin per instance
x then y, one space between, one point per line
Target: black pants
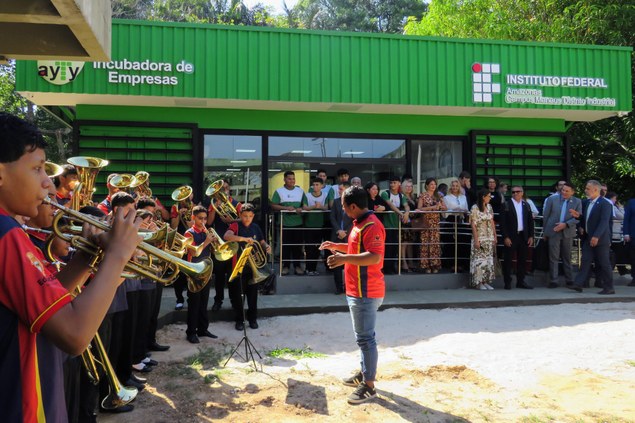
392 251
312 240
144 311
292 239
91 395
631 252
128 335
599 255
519 245
251 294
222 270
180 285
155 307
197 317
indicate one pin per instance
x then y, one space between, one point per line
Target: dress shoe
217 305
138 379
178 306
524 286
193 339
140 386
123 409
606 292
632 283
253 324
575 288
240 326
598 285
141 367
158 347
207 334
508 287
149 362
552 285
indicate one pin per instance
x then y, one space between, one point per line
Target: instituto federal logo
59 72
483 84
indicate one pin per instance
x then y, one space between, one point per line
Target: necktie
588 213
563 210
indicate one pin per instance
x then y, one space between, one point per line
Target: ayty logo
59 72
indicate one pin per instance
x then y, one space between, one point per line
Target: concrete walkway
301 304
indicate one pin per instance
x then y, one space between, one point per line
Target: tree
603 149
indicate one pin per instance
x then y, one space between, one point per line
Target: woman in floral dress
430 201
483 242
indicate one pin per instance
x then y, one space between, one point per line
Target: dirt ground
562 363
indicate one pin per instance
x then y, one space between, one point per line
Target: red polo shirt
368 234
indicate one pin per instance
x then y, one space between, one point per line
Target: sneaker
285 271
482 287
354 380
178 306
217 305
253 324
362 394
239 326
632 283
488 286
314 273
298 271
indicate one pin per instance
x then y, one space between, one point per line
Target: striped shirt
368 234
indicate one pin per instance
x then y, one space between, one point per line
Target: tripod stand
250 349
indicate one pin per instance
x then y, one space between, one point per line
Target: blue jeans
364 315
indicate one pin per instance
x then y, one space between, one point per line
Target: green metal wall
251 63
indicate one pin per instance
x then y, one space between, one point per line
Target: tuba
224 208
141 184
122 181
254 256
182 194
87 170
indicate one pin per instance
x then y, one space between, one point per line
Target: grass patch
205 359
295 353
630 363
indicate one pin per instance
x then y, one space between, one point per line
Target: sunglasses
516 192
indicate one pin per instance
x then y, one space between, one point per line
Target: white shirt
519 213
455 203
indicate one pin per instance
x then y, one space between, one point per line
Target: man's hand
327 245
627 238
341 234
574 213
530 241
508 242
594 241
335 260
560 227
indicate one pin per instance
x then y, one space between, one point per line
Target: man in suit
559 231
595 234
517 228
629 235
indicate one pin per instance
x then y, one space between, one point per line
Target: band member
222 269
245 232
180 222
106 206
65 183
35 303
197 319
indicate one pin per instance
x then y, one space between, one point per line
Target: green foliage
605 149
10 100
294 353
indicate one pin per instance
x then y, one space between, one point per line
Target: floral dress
430 236
482 259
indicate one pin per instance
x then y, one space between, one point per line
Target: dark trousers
197 317
115 352
292 239
338 278
72 369
519 246
631 254
600 256
144 311
155 307
392 250
128 335
312 241
91 395
180 285
236 296
222 270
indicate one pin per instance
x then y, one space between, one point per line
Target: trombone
199 273
225 208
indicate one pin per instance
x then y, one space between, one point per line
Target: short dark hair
316 179
357 196
17 137
321 170
198 209
394 178
145 202
465 174
568 184
342 171
406 176
247 207
611 194
92 211
121 199
68 169
289 172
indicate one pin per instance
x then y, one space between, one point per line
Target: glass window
345 148
442 160
237 159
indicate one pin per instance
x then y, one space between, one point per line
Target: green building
193 103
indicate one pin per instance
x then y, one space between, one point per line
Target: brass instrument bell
224 207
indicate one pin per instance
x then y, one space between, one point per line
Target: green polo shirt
391 220
290 197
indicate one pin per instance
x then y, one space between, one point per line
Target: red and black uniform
368 234
197 318
254 232
105 205
32 388
63 200
180 283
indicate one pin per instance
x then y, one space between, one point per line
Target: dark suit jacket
509 220
339 220
598 223
629 219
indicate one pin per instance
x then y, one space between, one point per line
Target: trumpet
199 273
87 170
224 208
223 251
